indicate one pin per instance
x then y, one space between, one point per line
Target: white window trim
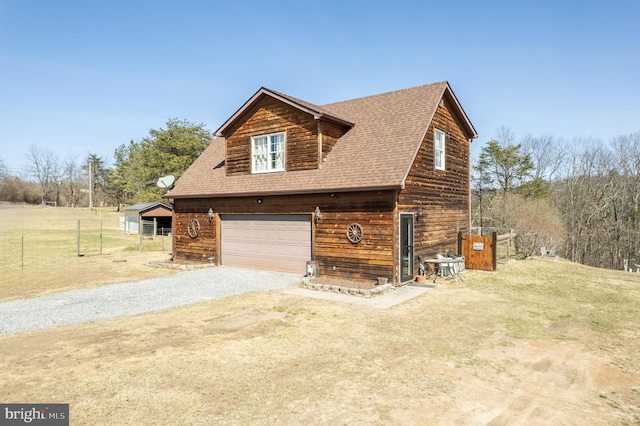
439 153
269 169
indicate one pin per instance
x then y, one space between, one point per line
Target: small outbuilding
155 218
358 189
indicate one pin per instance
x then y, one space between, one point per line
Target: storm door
406 247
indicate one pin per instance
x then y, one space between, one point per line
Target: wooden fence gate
479 252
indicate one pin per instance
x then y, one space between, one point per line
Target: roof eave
289 192
155 206
471 131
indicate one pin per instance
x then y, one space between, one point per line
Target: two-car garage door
272 242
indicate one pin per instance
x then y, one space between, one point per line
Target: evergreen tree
170 151
504 166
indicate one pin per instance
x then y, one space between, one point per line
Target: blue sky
80 77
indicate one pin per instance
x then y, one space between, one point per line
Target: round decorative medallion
193 228
354 233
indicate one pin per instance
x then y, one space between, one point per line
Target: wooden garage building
362 187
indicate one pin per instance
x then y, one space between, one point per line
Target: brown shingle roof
315 110
376 153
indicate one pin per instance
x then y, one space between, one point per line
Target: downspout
174 222
319 143
396 240
470 193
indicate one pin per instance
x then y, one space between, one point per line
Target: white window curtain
277 152
260 154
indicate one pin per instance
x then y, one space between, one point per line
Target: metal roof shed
156 214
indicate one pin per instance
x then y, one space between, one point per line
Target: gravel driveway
130 298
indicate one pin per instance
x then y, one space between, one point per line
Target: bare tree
505 136
547 154
71 176
3 169
591 186
593 198
626 151
44 167
536 222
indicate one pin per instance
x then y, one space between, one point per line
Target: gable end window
267 153
439 149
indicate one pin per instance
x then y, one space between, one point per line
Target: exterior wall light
317 214
259 201
420 212
210 215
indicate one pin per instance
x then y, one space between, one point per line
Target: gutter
287 192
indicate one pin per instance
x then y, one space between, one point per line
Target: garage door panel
272 242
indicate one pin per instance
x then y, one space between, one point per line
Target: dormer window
267 153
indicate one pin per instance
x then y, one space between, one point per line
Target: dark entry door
406 247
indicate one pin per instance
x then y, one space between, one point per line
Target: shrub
537 223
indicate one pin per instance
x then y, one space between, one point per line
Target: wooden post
494 250
509 248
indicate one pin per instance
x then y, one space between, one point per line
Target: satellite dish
166 182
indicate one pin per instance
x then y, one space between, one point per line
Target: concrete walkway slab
384 301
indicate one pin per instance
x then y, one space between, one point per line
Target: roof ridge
385 93
302 102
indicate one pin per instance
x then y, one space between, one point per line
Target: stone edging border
180 266
377 291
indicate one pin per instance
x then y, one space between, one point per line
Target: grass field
39 251
538 342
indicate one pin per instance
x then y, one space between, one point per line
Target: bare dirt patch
537 342
496 349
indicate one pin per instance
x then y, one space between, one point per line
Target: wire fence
63 254
93 238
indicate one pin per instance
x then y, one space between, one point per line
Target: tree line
577 198
90 182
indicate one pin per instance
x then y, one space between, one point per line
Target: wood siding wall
272 116
442 194
336 256
370 258
199 249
